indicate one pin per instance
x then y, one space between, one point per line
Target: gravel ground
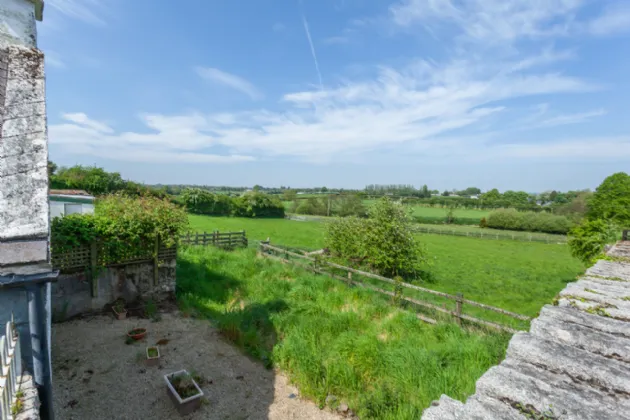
97 376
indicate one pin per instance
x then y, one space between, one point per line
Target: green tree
52 168
92 179
289 195
491 196
384 241
611 200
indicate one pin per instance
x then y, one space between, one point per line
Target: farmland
517 276
331 339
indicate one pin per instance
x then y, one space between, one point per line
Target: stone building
25 270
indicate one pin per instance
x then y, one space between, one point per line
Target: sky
527 95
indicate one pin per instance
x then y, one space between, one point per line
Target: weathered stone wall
72 293
23 162
17 23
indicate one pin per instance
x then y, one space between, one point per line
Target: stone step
608 294
482 407
610 269
581 366
445 408
534 390
582 337
616 288
606 325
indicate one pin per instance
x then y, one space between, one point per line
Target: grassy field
331 339
476 231
517 276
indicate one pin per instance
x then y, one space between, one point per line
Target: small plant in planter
119 309
153 356
137 334
183 391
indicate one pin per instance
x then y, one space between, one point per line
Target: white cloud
415 106
490 21
90 11
220 77
572 118
614 19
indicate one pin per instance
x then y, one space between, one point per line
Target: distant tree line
96 181
249 204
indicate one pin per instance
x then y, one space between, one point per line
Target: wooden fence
216 238
319 265
626 235
560 239
9 376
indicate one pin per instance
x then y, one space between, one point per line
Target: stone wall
72 293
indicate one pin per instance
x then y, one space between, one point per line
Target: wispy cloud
221 77
89 11
489 21
278 27
310 43
53 59
337 40
614 19
572 118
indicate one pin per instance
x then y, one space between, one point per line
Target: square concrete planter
120 315
153 360
187 404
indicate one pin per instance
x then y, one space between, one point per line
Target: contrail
310 41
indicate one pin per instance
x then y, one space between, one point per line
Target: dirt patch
97 376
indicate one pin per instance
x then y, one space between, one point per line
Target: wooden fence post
203 240
458 308
245 238
93 269
196 238
156 262
349 278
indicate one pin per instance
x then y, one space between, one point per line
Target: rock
330 400
292 396
343 408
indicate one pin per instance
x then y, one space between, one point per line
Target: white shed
65 202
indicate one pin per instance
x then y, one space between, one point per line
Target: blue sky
513 94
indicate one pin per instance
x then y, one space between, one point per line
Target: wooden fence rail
316 265
9 376
560 239
216 238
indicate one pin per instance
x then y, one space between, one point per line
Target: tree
611 200
491 196
446 193
257 188
324 189
384 241
424 192
52 168
92 179
289 195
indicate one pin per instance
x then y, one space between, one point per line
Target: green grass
331 339
517 276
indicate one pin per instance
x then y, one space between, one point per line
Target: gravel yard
97 376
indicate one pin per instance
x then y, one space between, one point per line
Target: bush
311 206
512 219
250 204
257 204
483 223
588 240
122 226
384 241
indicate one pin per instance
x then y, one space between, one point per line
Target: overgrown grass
331 339
517 276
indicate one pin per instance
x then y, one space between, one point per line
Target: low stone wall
72 293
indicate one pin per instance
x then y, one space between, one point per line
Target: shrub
349 205
588 239
611 200
257 204
483 223
122 225
311 206
512 219
384 241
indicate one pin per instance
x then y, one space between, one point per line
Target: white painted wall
17 23
61 208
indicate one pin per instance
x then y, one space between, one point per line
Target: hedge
511 219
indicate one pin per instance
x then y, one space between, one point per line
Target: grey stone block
23 252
